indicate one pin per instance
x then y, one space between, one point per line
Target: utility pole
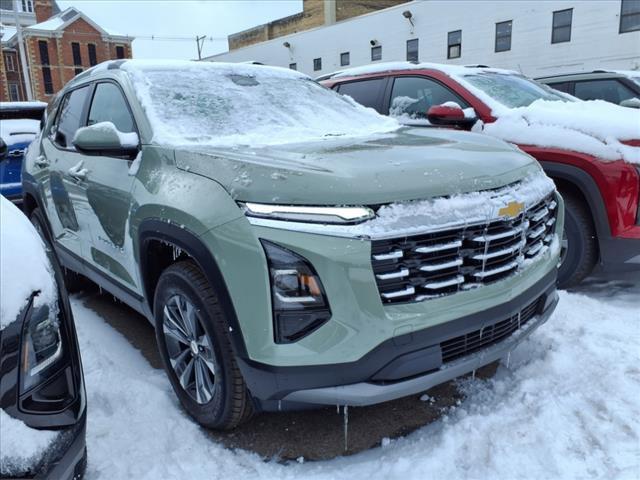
23 56
200 42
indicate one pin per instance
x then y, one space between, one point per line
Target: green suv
291 247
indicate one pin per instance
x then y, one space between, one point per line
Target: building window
44 52
293 66
75 50
9 63
503 36
77 71
376 53
561 31
317 64
14 92
27 6
344 59
119 52
454 44
93 58
47 81
629 16
412 50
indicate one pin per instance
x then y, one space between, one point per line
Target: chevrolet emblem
512 209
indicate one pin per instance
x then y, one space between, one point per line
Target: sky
183 19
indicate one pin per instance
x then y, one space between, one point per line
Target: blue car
19 124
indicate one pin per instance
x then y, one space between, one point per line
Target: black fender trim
188 242
590 191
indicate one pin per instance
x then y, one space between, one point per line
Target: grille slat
419 267
474 341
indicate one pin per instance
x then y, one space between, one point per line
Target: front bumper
403 365
70 462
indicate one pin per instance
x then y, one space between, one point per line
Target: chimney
43 9
329 12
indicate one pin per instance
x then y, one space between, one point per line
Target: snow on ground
566 407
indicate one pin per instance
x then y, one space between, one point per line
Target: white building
535 37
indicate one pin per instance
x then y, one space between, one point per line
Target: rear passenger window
413 96
108 105
70 116
562 86
365 92
609 90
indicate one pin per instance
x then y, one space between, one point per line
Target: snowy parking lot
566 406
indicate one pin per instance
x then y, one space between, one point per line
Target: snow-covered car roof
22 105
395 66
24 267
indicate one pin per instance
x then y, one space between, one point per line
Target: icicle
346 426
473 374
338 409
508 358
100 289
279 405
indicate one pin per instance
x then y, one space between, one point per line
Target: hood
595 127
410 164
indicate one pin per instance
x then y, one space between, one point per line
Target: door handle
41 161
77 172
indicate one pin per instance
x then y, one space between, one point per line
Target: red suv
595 166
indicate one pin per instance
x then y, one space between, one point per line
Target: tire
223 402
74 282
580 253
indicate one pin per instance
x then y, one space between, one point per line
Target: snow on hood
22 446
14 131
224 104
594 127
24 266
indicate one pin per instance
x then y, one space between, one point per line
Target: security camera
286 45
407 14
373 42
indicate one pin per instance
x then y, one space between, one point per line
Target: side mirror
105 139
631 103
450 116
4 150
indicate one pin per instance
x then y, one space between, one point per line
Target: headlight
299 302
42 345
331 215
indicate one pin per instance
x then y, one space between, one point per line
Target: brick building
314 14
58 46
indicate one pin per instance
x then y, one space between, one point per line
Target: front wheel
191 331
579 253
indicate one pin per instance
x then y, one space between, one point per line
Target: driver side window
413 96
108 105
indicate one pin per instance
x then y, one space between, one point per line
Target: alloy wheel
191 352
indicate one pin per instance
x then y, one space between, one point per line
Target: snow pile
24 266
467 208
238 104
567 407
593 127
21 447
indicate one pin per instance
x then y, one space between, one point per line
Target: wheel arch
160 244
579 182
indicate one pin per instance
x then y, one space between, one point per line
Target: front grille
473 341
415 268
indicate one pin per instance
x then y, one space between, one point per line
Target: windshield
512 90
236 104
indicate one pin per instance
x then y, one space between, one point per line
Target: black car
620 87
42 393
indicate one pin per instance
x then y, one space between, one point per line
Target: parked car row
293 248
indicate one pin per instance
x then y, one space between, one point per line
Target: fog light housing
298 298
